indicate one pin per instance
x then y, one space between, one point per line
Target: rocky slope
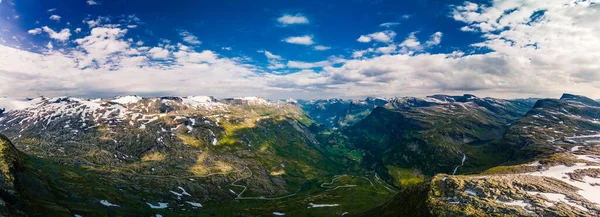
179 156
554 171
11 161
411 137
199 156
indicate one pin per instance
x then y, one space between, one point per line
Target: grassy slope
58 189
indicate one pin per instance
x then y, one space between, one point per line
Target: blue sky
304 49
249 26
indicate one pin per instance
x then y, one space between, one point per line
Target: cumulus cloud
98 22
275 61
92 2
364 39
63 35
307 65
360 53
189 37
387 49
55 17
536 48
384 37
35 31
435 39
122 70
321 47
158 53
270 55
288 19
302 40
98 49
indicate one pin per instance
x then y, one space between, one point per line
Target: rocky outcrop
10 163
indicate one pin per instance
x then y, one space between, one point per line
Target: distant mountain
338 113
581 99
411 137
553 172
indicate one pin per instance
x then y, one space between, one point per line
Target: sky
299 49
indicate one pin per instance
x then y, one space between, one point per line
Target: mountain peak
579 98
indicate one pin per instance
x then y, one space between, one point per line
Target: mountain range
439 155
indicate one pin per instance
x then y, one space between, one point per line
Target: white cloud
35 31
435 39
384 37
97 22
389 24
364 39
275 61
225 48
540 48
270 55
63 35
189 37
321 47
51 10
49 45
55 17
99 48
411 41
303 40
92 2
386 50
61 72
555 52
77 30
360 53
159 53
132 26
292 19
307 65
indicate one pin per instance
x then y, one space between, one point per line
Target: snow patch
159 206
471 192
194 204
106 203
520 203
127 99
312 205
557 198
589 192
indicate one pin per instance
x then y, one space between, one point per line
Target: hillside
554 171
184 156
411 138
199 156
